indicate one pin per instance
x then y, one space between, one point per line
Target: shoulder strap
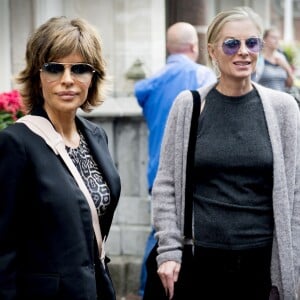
42 127
188 212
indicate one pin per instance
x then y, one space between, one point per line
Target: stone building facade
132 31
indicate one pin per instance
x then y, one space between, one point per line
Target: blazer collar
97 141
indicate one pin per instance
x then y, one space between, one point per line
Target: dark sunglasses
232 46
82 72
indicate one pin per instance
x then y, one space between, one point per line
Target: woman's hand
168 273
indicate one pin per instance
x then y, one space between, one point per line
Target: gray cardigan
168 194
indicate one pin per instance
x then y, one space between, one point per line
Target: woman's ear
211 51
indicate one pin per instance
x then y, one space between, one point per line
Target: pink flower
11 107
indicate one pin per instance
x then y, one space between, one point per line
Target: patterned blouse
90 174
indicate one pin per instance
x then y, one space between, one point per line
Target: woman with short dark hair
48 248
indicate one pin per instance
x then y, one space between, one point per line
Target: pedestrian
244 179
156 95
47 243
273 70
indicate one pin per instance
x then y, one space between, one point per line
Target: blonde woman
245 179
273 70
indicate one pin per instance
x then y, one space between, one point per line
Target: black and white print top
90 174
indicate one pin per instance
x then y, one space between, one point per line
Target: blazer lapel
97 141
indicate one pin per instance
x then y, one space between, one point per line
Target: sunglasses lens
82 69
231 46
52 71
53 68
254 44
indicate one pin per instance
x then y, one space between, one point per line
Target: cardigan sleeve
168 188
296 208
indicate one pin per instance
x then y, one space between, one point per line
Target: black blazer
46 234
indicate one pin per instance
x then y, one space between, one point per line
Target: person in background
47 243
156 95
245 178
273 70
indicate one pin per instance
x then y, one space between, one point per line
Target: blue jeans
151 241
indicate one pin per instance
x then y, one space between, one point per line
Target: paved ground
130 297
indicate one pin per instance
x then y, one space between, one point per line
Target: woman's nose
243 48
67 75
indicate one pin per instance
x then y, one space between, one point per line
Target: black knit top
232 177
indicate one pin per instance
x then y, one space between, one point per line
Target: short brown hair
55 39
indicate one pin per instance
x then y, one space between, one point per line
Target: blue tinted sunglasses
232 46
